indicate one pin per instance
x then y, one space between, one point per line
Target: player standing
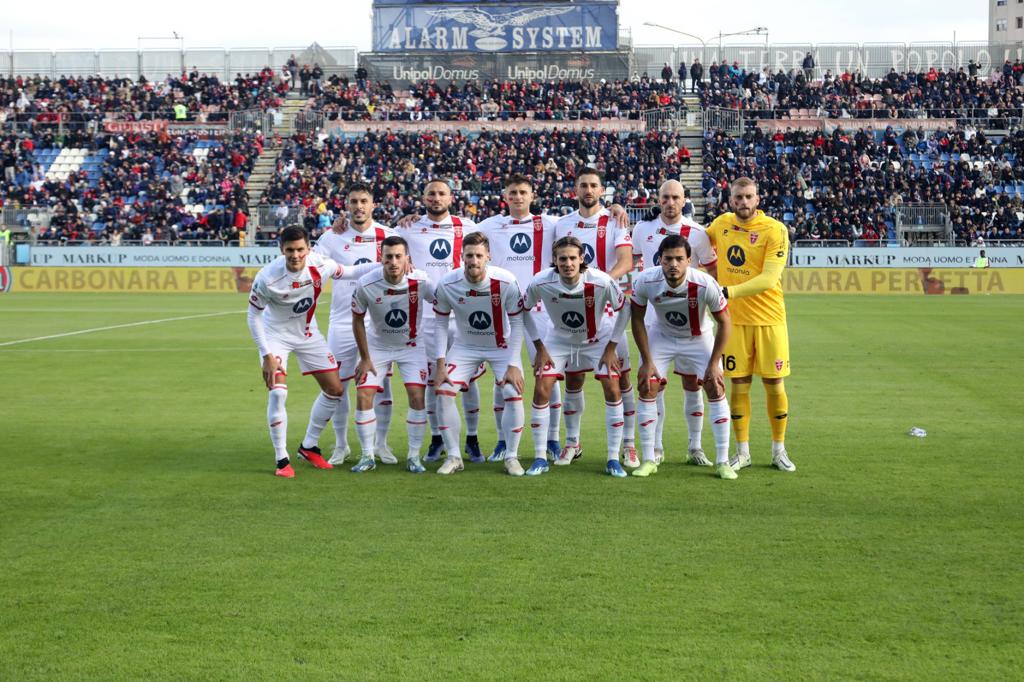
676 329
435 246
282 321
607 247
755 248
354 240
395 300
647 238
485 302
581 339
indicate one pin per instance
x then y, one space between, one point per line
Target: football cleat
630 457
539 466
286 471
499 453
415 466
613 468
569 453
780 460
646 469
473 451
434 451
339 456
513 467
450 466
554 449
697 457
364 464
740 461
659 455
313 456
726 472
384 453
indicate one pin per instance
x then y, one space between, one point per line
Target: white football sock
659 444
514 419
382 407
718 413
323 409
341 412
629 416
573 414
539 415
471 406
415 426
647 418
277 420
693 403
432 416
613 420
499 411
448 419
555 420
366 425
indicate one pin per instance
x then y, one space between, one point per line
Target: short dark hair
563 242
587 170
359 187
443 181
293 233
518 179
674 241
395 240
476 239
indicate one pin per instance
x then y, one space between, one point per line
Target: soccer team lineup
431 304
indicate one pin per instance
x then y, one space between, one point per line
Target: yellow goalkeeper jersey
744 248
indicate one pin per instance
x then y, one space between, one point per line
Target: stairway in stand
266 163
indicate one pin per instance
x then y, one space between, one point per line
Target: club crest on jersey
675 318
520 243
396 318
495 300
302 305
440 248
572 319
480 320
692 303
778 365
753 238
413 296
588 254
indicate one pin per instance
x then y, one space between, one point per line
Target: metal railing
984 115
252 121
923 223
728 120
386 113
275 216
821 243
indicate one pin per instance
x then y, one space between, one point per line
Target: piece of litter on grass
917 432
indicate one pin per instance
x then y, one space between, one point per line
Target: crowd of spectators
934 93
313 172
150 187
846 185
34 101
494 100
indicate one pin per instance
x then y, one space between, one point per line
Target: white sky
110 24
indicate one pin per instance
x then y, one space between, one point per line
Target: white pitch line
118 326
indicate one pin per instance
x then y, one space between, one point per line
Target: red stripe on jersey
684 231
694 311
538 243
457 245
589 312
496 313
602 238
414 299
379 234
317 288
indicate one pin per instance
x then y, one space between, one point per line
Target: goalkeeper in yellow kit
752 250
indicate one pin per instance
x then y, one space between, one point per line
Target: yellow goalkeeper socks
739 408
778 410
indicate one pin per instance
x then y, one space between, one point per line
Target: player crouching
282 321
681 297
581 339
486 303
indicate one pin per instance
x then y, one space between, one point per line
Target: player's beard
588 202
437 216
669 219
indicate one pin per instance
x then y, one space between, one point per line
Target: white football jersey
436 248
521 246
288 299
680 312
600 234
648 235
481 310
350 247
395 310
577 312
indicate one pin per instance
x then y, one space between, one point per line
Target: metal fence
728 120
159 63
253 121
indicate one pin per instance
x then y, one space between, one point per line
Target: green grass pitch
142 535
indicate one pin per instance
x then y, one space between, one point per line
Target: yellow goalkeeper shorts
755 349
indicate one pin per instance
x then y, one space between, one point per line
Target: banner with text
932 281
894 257
151 256
496 28
131 280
